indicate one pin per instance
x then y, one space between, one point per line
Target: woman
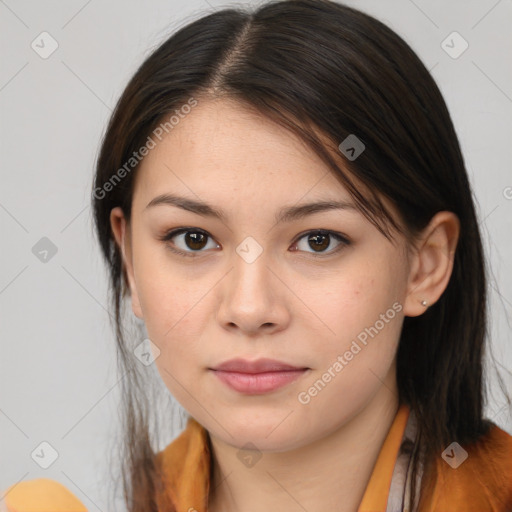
282 196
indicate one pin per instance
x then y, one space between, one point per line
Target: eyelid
342 239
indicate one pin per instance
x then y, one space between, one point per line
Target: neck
330 474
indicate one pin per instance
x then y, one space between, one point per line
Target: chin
267 432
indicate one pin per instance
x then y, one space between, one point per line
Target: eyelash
194 254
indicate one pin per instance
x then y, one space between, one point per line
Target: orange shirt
481 483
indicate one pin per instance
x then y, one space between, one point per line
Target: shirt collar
186 464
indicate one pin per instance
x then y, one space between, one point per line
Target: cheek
363 313
175 312
351 365
354 300
169 298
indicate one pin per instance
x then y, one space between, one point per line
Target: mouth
257 377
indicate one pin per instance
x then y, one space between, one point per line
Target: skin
288 305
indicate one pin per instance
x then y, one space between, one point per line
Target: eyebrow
285 214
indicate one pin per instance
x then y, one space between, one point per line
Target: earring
424 303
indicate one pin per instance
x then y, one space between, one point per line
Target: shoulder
477 474
189 448
185 468
490 461
40 495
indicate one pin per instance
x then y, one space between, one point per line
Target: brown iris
195 240
321 241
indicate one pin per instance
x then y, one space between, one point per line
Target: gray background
58 374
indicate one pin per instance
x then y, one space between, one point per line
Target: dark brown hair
323 71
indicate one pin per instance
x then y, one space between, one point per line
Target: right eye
192 241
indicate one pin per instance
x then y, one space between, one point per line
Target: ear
432 262
122 234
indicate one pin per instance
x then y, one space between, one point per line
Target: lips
258 366
257 377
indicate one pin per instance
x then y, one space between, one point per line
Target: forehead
223 145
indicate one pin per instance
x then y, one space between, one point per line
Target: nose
253 299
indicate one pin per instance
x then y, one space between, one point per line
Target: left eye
321 240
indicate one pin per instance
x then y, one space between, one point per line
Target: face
321 291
